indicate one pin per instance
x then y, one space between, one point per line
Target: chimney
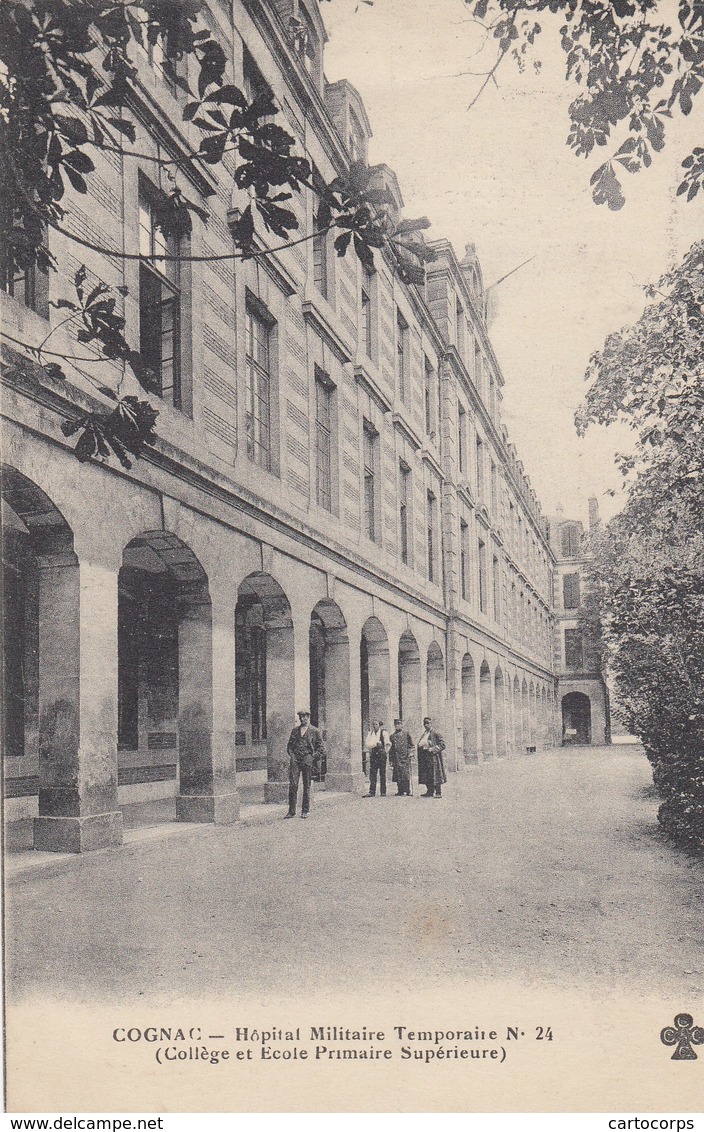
593 513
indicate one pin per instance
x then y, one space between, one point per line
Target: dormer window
305 42
356 138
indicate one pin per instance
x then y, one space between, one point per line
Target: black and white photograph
353 555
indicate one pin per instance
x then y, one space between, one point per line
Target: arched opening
470 743
436 687
375 676
552 716
55 744
165 678
329 652
409 683
264 682
486 713
544 720
525 715
532 727
576 719
500 710
517 733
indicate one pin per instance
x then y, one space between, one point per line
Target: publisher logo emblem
684 1035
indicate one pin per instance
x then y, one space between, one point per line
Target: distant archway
469 710
329 657
409 682
436 686
517 732
485 682
264 678
375 673
576 719
500 711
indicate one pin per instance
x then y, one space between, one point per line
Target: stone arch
165 678
525 715
375 673
500 711
517 732
409 682
436 688
59 672
576 719
33 527
329 655
544 720
531 715
469 710
264 679
487 722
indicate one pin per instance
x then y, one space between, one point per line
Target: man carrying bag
305 752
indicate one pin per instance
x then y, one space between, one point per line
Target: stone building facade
583 696
333 515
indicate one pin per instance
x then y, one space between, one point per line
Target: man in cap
431 766
305 752
378 752
400 758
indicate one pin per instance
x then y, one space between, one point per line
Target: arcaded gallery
332 516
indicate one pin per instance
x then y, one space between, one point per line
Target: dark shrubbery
646 601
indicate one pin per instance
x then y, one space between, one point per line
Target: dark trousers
377 765
294 773
403 777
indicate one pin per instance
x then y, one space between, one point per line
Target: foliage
128 428
635 65
68 72
648 573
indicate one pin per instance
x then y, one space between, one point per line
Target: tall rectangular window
370 459
429 395
464 560
461 440
258 685
480 467
404 478
460 327
255 85
482 576
496 587
323 438
320 243
402 356
23 282
432 536
574 648
494 491
320 259
258 388
159 300
571 596
367 327
571 540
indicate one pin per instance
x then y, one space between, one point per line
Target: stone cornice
370 386
316 318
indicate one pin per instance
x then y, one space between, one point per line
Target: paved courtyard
546 868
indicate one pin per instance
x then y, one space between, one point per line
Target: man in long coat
431 765
400 757
305 751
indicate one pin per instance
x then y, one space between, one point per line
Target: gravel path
544 869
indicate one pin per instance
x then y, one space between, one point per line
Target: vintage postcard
309 513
